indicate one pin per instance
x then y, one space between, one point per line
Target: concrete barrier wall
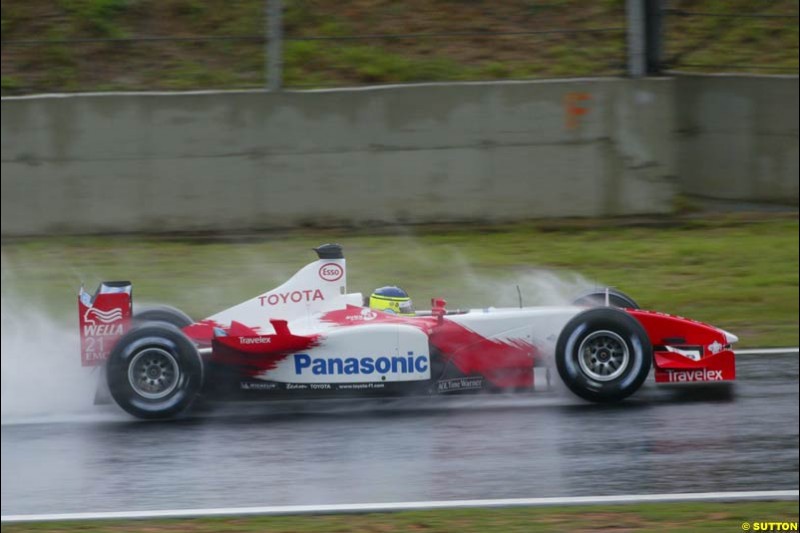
425 153
737 137
222 161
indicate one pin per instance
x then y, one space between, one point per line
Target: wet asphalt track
408 450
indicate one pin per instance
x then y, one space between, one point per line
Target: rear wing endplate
103 317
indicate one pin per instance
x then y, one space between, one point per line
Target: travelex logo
332 366
694 375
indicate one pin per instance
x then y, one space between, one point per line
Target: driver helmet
391 299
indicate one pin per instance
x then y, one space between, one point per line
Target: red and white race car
311 338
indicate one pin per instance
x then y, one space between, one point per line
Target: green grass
364 63
735 272
677 517
98 18
716 41
753 43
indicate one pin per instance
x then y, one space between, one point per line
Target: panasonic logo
331 366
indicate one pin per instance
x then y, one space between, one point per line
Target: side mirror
438 308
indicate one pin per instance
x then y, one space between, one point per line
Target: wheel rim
603 355
153 373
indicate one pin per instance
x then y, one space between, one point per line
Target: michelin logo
304 364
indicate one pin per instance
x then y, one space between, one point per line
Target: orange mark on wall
574 110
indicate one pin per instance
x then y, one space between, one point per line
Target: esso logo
331 272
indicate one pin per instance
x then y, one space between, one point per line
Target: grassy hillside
74 45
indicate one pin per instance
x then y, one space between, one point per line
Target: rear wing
104 317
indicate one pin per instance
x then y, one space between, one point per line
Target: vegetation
79 45
736 272
673 517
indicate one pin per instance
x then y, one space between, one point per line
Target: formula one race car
311 338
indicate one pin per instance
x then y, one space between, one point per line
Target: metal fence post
274 45
654 28
637 57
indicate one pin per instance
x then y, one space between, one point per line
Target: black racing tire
603 355
597 298
154 371
163 314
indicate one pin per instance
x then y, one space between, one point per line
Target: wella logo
95 315
98 322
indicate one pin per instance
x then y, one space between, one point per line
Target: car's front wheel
598 297
154 371
603 354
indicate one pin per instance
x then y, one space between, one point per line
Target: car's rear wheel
595 298
603 355
154 371
163 314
